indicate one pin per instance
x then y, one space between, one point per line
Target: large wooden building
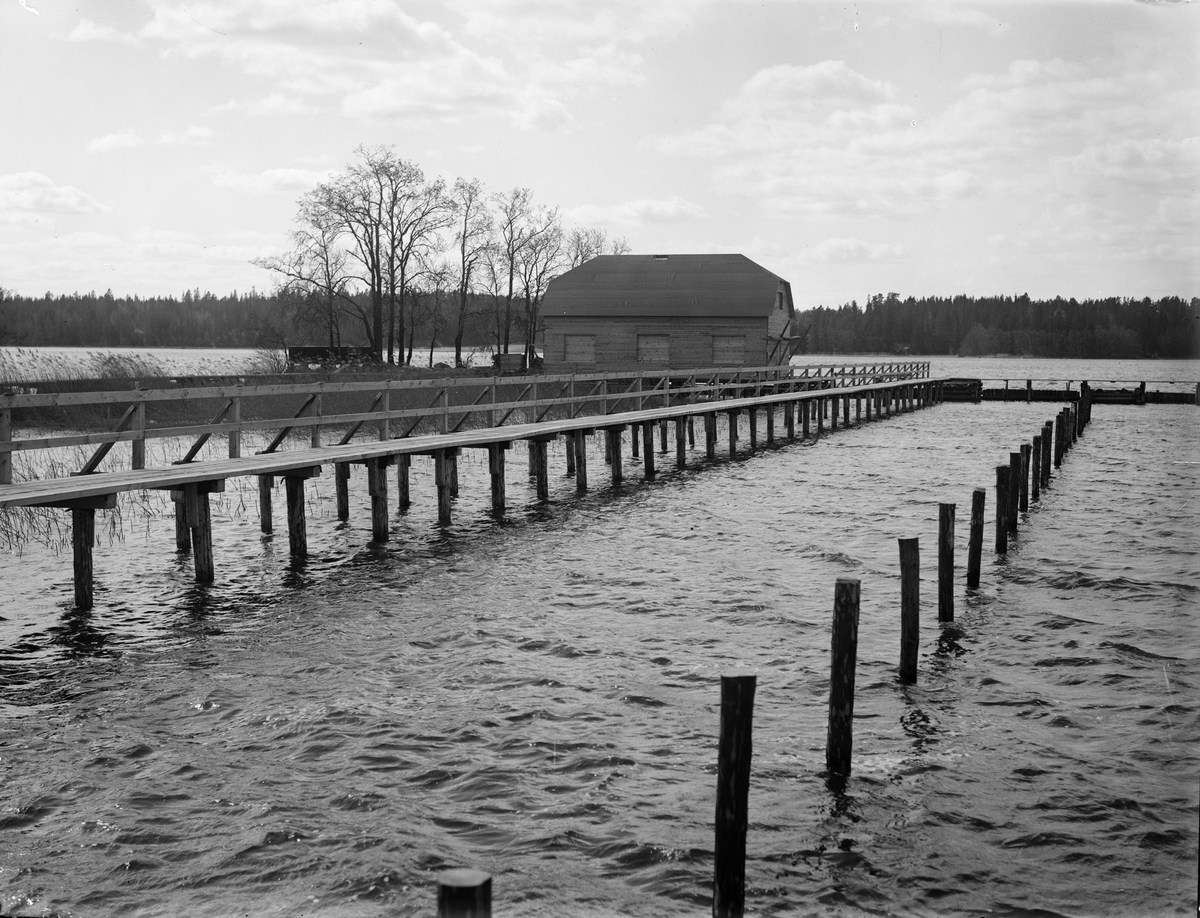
648 312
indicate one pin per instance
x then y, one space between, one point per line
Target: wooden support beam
752 414
496 470
691 428
681 443
822 408
648 448
441 477
569 437
183 534
833 412
733 432
404 495
541 471
662 435
845 411
296 523
805 411
341 489
770 425
453 460
377 490
195 500
710 435
613 437
83 538
265 484
789 419
578 442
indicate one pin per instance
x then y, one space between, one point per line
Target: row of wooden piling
193 526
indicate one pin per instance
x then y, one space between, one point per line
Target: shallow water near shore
538 697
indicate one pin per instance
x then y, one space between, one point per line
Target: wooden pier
438 418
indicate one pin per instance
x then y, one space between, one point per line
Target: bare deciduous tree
473 235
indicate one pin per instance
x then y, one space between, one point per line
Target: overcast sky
853 148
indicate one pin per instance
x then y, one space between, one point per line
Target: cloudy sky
922 147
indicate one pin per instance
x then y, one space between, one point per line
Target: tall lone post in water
733 792
910 607
464 893
844 657
946 562
1001 509
975 546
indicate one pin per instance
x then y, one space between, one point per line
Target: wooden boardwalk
816 400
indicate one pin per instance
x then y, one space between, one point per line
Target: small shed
651 312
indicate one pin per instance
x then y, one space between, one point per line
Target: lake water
539 697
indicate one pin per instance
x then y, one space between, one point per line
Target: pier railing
316 410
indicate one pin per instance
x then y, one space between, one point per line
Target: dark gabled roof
664 285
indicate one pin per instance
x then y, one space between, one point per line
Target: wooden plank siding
615 342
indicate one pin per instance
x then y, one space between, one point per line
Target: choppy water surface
539 697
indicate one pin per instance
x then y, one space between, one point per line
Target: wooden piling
341 489
733 433
195 499
648 448
691 431
541 469
844 657
634 437
613 436
569 437
1035 469
946 562
265 484
404 495
579 443
770 416
805 411
870 397
789 420
183 533
1023 501
377 490
710 436
496 471
296 524
83 538
833 412
680 443
910 608
1047 434
441 478
734 747
1014 488
662 435
858 409
821 408
845 411
1058 440
752 415
975 545
1001 509
464 893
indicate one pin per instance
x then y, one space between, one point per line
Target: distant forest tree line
1114 327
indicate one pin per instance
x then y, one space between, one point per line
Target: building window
654 349
728 350
779 300
579 348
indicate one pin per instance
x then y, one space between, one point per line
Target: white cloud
273 181
86 30
640 212
192 134
851 250
34 193
274 104
122 140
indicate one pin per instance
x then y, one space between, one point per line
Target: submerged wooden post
1047 435
821 408
265 484
404 495
710 435
648 448
1035 469
613 436
870 398
496 470
789 419
441 478
1058 440
183 534
1014 489
770 413
691 430
452 458
910 607
341 489
662 434
734 748
857 409
833 412
733 433
579 445
975 545
946 562
297 525
570 442
1023 501
634 437
1001 509
195 499
377 490
541 469
844 657
464 893
804 413
680 443
83 538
